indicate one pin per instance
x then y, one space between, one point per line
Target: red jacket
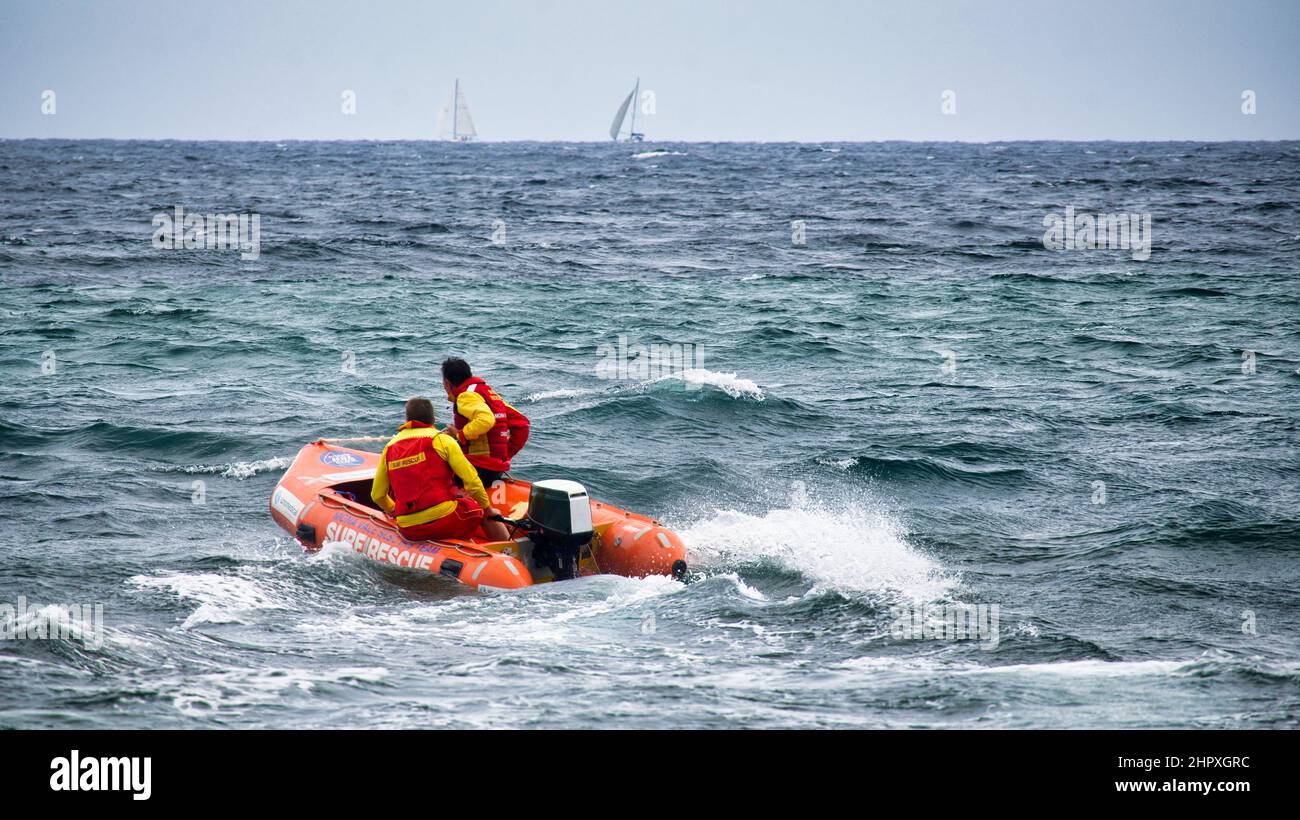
491 430
418 476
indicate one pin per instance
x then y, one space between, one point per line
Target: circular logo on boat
334 458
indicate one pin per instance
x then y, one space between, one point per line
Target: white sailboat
454 121
632 134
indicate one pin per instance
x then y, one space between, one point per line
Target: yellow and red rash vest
491 451
418 476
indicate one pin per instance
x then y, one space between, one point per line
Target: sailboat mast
455 106
636 101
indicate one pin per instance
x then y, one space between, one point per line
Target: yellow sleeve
379 490
451 453
481 419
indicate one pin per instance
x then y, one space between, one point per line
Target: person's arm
518 424
455 458
481 419
379 489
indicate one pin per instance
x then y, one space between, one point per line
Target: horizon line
646 143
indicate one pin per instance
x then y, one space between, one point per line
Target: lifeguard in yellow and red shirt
416 483
490 431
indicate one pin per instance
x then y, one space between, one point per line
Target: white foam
222 599
653 154
335 551
853 549
1084 668
543 615
247 469
1029 630
743 588
62 622
562 393
235 469
729 383
241 688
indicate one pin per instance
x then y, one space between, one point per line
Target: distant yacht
632 134
454 122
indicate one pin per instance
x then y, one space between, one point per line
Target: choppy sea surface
918 407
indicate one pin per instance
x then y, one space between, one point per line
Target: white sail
622 113
454 121
464 124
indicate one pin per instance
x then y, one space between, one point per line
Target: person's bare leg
495 530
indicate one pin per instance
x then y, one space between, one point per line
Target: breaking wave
851 548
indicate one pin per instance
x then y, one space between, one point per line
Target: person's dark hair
456 371
419 409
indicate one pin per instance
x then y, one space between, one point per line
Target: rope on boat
354 439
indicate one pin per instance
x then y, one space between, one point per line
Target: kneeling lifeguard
416 483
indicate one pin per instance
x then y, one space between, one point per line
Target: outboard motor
559 524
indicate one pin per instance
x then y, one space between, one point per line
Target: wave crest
852 549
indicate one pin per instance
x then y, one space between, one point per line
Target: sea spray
850 546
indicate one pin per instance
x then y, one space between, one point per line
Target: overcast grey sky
807 70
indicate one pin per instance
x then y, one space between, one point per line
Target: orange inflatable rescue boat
558 531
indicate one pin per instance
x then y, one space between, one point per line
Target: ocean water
919 408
